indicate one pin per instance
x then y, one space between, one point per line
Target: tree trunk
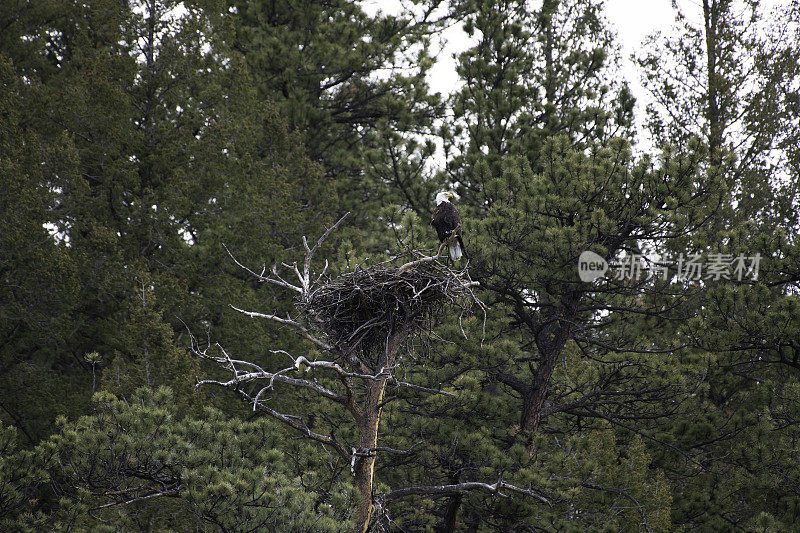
451 513
711 15
534 398
368 424
550 342
368 440
548 9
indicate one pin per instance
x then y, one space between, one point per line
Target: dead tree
361 320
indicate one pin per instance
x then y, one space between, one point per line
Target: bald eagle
446 220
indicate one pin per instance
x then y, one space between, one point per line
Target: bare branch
441 491
398 452
169 492
305 276
399 383
289 322
226 361
276 281
624 494
424 259
244 377
297 423
324 236
339 370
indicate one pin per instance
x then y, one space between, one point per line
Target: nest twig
358 311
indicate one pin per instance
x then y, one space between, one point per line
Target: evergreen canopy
151 149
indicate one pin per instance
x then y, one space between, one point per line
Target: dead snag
362 321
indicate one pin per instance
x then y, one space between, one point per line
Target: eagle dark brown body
446 220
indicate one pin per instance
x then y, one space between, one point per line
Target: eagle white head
444 196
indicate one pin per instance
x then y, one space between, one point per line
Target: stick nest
359 311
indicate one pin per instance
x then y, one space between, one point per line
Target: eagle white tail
455 251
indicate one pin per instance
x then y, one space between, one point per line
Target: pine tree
33 329
353 85
537 199
136 148
139 465
136 139
534 73
172 157
728 82
732 90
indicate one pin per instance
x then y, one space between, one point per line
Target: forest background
145 144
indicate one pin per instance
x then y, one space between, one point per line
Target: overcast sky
632 20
